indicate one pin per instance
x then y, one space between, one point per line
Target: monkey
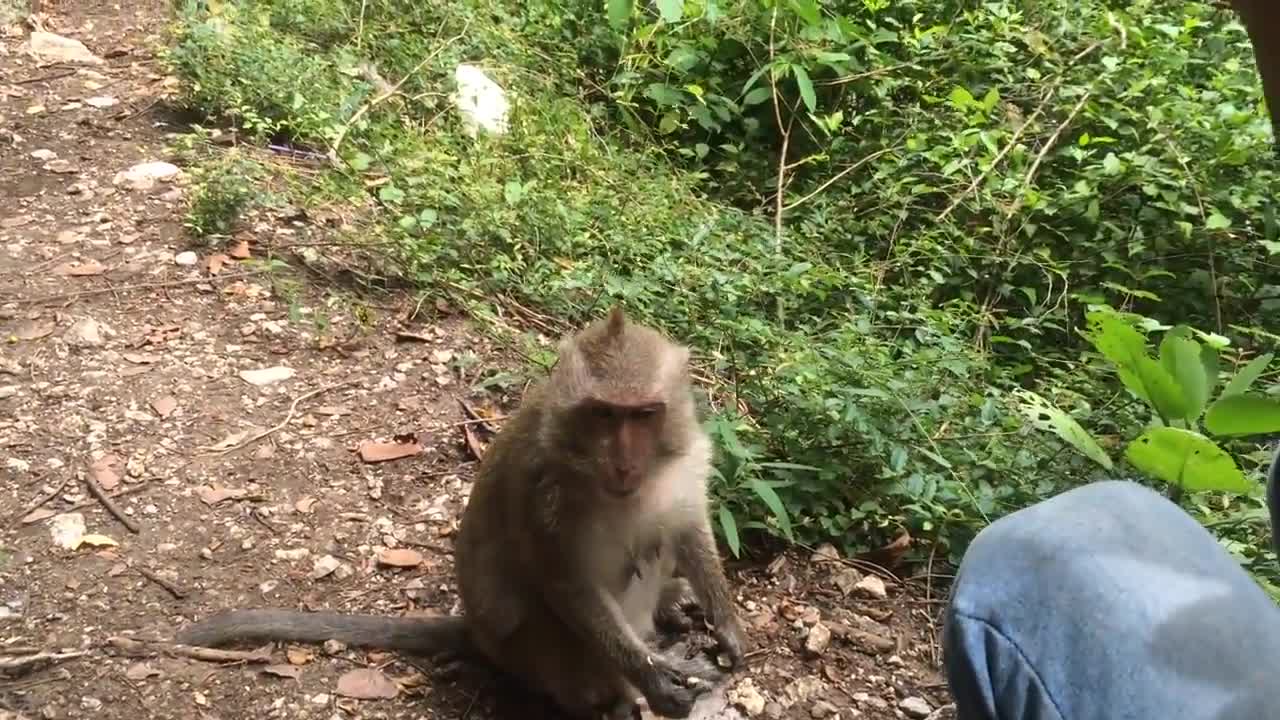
587 527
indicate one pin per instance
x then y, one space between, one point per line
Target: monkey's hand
728 633
670 692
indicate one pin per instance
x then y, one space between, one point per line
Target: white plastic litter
481 102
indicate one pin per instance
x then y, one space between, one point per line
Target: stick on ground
133 647
110 505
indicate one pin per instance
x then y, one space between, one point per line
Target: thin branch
1052 141
389 93
293 408
138 286
836 178
96 490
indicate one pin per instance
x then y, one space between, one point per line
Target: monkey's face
627 442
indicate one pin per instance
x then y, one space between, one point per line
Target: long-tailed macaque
588 522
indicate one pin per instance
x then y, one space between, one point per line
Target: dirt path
123 363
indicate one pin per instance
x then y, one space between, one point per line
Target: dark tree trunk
1262 20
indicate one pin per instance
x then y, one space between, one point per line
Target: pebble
915 707
747 698
873 587
187 258
144 176
818 640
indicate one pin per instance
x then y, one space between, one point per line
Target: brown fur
587 524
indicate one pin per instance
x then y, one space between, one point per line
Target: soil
121 364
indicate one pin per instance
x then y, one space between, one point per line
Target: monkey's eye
601 412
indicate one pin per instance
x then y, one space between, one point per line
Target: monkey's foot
677 607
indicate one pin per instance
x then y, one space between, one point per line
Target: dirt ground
126 360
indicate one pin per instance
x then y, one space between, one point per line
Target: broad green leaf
771 499
671 10
1111 164
391 194
788 466
806 87
1044 416
620 13
730 527
1124 346
808 11
1180 356
1217 221
664 94
961 97
1236 415
1247 375
757 96
1187 459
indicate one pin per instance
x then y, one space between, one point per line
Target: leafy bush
959 181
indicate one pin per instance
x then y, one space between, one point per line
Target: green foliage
958 184
223 188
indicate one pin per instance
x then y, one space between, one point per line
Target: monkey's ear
617 320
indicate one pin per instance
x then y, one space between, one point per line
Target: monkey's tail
423 636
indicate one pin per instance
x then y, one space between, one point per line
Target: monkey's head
620 404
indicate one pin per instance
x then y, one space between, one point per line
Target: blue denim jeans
1108 602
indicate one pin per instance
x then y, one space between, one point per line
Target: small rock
803 688
86 332
773 710
826 552
747 698
267 376
873 587
325 565
48 46
846 580
8 391
44 154
334 647
818 640
823 709
320 699
292 554
67 529
101 101
61 167
187 258
144 176
166 547
915 707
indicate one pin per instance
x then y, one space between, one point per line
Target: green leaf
730 527
771 499
671 10
664 94
1209 362
1247 375
1186 459
1124 346
1111 164
1180 356
757 96
1217 221
620 13
808 11
1044 416
391 194
961 97
1237 415
806 87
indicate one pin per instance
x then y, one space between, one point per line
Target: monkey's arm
427 635
699 562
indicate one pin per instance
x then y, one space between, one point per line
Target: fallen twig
138 286
20 664
174 590
88 503
293 408
44 78
38 502
110 505
147 648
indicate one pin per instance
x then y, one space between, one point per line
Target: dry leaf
141 358
400 557
299 656
164 406
215 262
217 493
367 684
37 515
141 671
412 680
84 269
240 250
305 505
474 444
103 472
373 451
117 570
284 671
34 329
98 541
267 376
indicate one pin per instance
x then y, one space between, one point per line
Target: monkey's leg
698 560
424 636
